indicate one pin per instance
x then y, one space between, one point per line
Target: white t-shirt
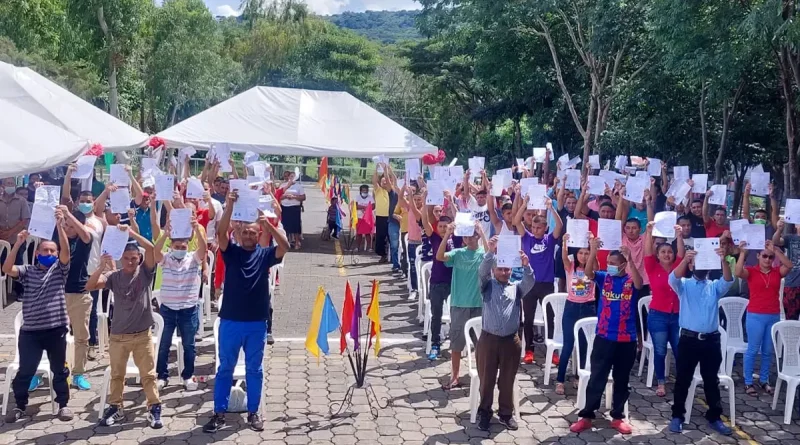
363 202
96 230
211 230
481 213
295 189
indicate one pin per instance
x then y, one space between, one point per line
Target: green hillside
382 26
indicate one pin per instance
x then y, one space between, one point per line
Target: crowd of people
603 283
69 277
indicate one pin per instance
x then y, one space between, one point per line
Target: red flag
323 171
347 317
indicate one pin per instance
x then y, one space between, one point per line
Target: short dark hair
764 211
480 192
608 204
698 201
133 245
539 219
660 245
685 218
634 220
507 206
364 187
180 240
618 254
445 219
604 198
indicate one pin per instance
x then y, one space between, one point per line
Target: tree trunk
517 138
587 139
728 112
791 120
704 127
113 93
173 115
738 186
142 111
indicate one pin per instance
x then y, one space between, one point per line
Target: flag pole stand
374 403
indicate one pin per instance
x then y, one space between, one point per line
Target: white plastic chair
556 301
425 283
130 368
240 369
429 317
418 267
43 369
103 314
734 309
30 252
787 335
648 350
724 380
207 288
475 325
5 282
589 328
177 340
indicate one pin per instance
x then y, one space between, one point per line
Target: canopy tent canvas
44 98
288 121
29 144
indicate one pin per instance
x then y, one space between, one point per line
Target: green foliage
381 26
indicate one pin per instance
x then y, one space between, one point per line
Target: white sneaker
190 384
412 295
161 384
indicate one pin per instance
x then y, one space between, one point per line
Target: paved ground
300 389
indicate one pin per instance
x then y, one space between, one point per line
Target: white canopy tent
44 98
288 121
29 144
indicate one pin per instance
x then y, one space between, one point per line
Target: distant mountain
383 26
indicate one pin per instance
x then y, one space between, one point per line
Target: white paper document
267 206
755 235
186 152
194 189
596 185
578 231
246 206
165 185
737 230
620 162
573 181
412 169
759 184
610 177
180 221
497 185
700 183
594 161
792 212
379 161
297 176
538 197
238 184
250 157
681 172
574 162
435 193
654 167
719 194
634 189
119 175
539 154
521 163
507 176
149 167
120 201
476 165
85 167
706 257
222 153
508 247
610 233
114 242
665 224
49 195
43 221
526 183
563 160
678 190
260 170
465 224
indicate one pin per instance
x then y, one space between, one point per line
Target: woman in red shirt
662 318
763 310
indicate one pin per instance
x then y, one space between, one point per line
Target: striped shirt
43 303
502 303
180 283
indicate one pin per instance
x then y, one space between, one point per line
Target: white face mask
10 190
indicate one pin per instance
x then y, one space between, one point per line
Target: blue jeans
394 242
759 338
187 322
233 337
663 328
572 313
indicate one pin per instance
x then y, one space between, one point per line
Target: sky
323 7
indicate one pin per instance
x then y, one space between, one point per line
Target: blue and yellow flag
324 320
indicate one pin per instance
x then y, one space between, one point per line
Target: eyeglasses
767 257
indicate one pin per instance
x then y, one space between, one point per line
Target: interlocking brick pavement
300 389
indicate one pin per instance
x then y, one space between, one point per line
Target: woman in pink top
580 304
662 319
413 213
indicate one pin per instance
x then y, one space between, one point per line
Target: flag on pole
323 174
374 314
324 320
353 215
356 319
347 316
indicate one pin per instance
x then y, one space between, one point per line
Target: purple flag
354 334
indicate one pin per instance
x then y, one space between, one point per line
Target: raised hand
524 258
22 236
493 244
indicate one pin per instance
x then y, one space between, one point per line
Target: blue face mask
179 254
85 207
47 260
613 270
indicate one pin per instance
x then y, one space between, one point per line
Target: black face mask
701 274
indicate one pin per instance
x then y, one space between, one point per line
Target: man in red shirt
717 225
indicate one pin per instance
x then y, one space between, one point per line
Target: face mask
46 260
179 254
85 207
364 195
613 270
763 222
10 190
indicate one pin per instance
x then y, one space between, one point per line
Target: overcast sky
230 7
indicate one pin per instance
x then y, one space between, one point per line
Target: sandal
452 385
560 389
750 390
661 391
767 389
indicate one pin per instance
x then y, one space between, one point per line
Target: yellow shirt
399 210
381 202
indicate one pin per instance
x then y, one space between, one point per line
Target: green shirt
465 288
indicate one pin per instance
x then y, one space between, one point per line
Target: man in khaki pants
79 301
130 329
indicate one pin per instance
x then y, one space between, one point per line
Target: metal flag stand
358 364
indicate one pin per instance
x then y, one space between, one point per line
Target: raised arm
786 263
69 218
485 269
281 243
565 251
518 216
225 221
774 207
706 217
622 207
648 239
559 223
160 241
440 252
777 238
66 188
561 195
136 188
63 239
427 216
594 244
8 265
97 280
149 250
681 246
741 272
746 205
633 271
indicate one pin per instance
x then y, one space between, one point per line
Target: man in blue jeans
180 290
244 312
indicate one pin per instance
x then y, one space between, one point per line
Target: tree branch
573 37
